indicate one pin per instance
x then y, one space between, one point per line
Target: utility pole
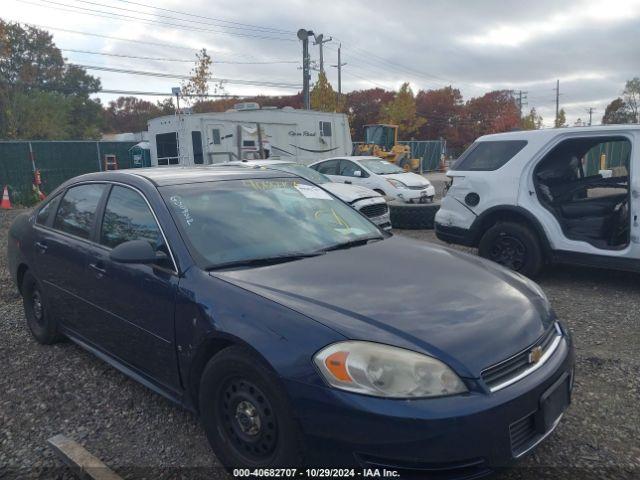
303 35
521 98
319 40
590 110
339 67
557 103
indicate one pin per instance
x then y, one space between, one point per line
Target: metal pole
99 160
557 102
260 141
339 73
305 73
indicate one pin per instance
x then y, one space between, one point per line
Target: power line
111 15
249 28
231 81
271 62
160 94
290 32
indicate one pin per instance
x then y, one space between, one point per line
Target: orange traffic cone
5 203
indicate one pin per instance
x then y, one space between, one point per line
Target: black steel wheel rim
248 419
509 251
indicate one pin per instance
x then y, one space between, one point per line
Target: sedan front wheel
245 413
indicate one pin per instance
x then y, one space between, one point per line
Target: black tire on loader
413 216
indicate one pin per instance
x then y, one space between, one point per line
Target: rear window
488 155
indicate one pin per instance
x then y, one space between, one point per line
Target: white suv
569 195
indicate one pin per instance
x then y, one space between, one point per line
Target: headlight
385 371
396 183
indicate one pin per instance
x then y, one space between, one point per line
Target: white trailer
248 132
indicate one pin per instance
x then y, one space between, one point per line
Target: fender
508 212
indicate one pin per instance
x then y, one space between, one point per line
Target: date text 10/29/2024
315 473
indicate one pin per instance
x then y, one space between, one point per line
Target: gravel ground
62 389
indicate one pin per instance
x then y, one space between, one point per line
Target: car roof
350 157
549 133
162 176
259 163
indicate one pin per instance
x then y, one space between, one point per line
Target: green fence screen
57 162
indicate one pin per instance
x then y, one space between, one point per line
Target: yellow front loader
382 141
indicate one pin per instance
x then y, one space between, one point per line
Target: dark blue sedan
300 332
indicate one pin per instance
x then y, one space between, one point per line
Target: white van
248 132
530 198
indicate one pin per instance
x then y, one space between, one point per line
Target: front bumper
409 195
453 434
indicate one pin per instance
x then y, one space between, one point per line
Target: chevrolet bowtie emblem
535 355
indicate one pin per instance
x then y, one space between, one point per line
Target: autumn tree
561 119
401 111
129 114
493 112
323 96
532 121
441 110
617 112
196 88
365 107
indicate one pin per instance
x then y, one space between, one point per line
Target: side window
45 211
215 136
347 169
77 210
488 156
196 143
330 167
127 217
325 129
167 148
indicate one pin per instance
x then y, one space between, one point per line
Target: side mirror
136 251
357 173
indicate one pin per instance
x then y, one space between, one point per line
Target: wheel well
22 269
491 218
206 352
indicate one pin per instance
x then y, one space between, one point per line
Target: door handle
42 246
98 267
348 181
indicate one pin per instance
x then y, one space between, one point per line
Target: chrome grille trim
557 338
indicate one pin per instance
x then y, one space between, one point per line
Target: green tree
617 112
39 115
196 88
401 111
533 121
561 120
30 63
323 96
631 96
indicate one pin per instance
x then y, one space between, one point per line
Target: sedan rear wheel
42 325
514 246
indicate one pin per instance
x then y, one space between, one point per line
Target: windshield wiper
352 243
256 262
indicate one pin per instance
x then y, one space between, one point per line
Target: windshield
380 135
246 220
381 167
301 171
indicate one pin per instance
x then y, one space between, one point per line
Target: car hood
464 310
409 179
349 193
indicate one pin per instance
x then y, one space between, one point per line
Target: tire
246 414
42 325
513 245
413 216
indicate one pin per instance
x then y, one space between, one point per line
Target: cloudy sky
591 46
